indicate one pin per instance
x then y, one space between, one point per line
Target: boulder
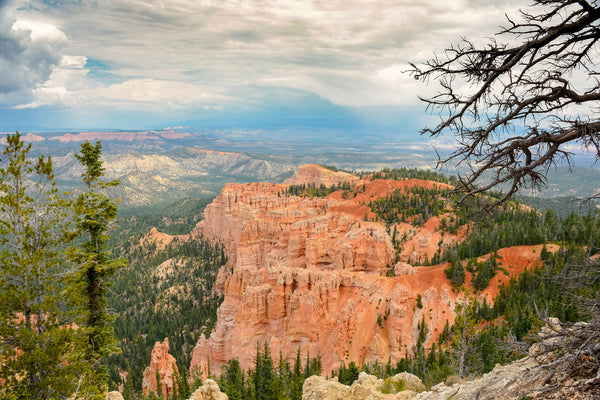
114 396
209 391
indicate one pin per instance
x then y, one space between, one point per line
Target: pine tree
284 375
268 377
36 350
95 213
232 380
464 330
183 385
297 378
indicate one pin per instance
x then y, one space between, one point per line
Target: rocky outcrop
504 382
209 391
553 369
160 239
366 387
310 272
317 175
163 367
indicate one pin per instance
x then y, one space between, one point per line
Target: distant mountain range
161 166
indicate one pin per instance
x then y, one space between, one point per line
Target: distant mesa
174 134
120 136
29 137
318 175
107 136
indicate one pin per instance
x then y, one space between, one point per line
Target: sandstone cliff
310 272
162 366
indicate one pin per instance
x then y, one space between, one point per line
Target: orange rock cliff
310 272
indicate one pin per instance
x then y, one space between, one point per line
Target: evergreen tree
159 392
95 212
464 330
36 351
232 380
456 273
297 377
183 385
349 374
284 381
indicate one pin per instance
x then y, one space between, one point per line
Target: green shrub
390 385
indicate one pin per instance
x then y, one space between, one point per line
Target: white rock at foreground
366 387
114 396
209 391
508 382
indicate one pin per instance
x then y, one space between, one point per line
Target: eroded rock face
162 366
311 273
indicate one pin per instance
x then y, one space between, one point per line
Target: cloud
29 51
69 85
65 87
159 94
215 54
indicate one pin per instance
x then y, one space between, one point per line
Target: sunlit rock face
162 366
310 272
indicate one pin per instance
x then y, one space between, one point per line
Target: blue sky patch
101 72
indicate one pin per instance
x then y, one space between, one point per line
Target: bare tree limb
526 97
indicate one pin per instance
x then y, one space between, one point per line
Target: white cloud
70 86
29 52
65 87
169 94
180 54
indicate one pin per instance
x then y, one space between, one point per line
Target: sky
150 64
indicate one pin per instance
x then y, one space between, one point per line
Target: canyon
313 273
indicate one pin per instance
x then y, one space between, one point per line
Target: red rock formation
310 272
317 175
166 366
160 239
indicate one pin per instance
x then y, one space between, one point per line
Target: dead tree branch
525 98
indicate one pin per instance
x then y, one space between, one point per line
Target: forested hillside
166 292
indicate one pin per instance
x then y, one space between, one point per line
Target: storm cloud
228 54
29 51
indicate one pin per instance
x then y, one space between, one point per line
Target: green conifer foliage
36 360
95 211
